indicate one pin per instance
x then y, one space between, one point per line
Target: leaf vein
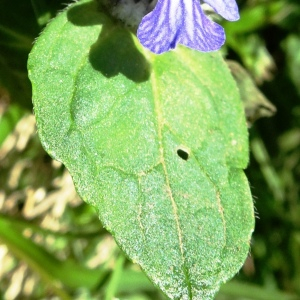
160 124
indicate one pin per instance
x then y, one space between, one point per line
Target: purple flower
183 22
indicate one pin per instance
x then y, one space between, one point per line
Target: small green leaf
291 46
255 103
156 143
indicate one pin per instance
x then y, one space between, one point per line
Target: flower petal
228 9
179 21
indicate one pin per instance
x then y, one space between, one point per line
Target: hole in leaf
183 154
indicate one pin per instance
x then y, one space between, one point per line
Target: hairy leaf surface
156 143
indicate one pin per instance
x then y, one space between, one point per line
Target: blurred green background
52 245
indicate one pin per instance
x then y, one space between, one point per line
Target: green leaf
291 46
256 105
156 143
18 29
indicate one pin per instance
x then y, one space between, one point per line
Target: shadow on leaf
115 51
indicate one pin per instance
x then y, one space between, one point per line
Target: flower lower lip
183 22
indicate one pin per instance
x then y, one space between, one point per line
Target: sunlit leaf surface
156 144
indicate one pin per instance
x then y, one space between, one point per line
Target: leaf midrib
160 124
